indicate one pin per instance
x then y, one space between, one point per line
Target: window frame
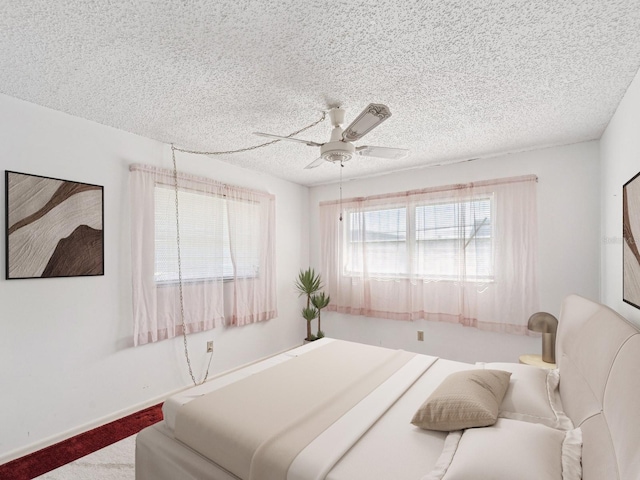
411 240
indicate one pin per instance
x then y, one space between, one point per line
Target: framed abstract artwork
54 228
631 244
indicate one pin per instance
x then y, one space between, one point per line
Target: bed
337 410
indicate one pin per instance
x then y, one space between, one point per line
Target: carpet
114 462
50 458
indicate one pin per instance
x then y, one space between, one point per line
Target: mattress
398 448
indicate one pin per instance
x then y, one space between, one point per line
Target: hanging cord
324 114
184 327
175 182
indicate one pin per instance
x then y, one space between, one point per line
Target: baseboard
60 437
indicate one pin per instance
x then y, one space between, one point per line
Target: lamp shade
543 322
546 324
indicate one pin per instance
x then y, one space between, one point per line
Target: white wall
569 225
620 161
66 344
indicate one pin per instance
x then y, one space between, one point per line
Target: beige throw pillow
466 399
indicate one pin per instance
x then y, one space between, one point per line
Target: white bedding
401 447
256 426
316 460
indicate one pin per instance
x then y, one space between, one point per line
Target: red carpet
50 458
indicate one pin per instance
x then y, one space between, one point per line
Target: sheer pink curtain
459 253
251 217
227 251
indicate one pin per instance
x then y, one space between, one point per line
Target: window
444 237
384 233
227 254
204 245
454 235
463 253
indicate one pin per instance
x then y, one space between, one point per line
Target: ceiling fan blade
291 139
370 118
382 152
316 163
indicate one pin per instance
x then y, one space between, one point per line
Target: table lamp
546 324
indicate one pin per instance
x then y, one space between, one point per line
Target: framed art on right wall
630 246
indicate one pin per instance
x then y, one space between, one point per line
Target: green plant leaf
320 300
309 313
308 282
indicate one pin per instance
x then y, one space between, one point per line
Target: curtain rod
443 188
138 167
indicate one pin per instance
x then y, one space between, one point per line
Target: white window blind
385 234
204 238
431 241
452 236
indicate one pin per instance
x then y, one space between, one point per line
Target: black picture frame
631 241
53 227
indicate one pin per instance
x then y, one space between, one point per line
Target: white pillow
532 396
510 449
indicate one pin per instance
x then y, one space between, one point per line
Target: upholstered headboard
598 354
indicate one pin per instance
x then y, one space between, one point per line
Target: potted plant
320 301
309 284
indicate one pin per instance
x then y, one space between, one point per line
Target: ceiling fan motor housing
336 115
337 151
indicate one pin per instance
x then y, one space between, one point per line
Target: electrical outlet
210 346
420 336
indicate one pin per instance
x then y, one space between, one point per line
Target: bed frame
598 354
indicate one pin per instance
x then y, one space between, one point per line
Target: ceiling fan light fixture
337 156
337 151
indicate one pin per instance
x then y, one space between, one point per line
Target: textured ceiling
463 79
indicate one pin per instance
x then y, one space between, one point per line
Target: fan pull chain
240 150
341 167
184 327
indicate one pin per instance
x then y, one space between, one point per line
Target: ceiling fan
340 148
